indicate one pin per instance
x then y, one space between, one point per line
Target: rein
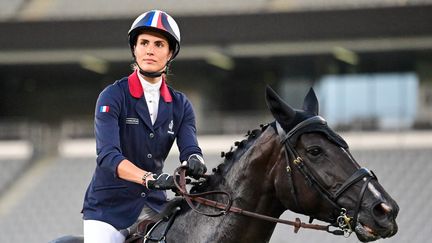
228 208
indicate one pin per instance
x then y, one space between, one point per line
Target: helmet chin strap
151 74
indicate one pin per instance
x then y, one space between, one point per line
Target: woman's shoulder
115 89
117 86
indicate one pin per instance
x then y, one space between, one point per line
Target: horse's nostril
386 208
382 210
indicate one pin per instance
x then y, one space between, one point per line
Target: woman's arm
128 171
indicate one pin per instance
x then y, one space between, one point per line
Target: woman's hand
163 181
195 166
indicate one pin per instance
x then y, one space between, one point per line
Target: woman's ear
170 55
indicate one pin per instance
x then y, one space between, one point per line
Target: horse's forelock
320 128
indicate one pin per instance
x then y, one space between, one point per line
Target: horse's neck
251 184
250 177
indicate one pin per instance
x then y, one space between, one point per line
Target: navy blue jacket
123 130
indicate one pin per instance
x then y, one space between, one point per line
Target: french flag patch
104 108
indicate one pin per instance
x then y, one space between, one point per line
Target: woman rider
137 119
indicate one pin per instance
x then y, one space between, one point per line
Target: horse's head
323 179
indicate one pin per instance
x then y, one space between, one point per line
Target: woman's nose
149 51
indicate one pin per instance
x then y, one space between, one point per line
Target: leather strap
225 208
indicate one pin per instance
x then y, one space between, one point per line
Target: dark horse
298 163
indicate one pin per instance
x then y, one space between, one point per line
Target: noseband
318 124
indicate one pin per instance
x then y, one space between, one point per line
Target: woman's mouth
149 60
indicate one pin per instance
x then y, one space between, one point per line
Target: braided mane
230 157
239 148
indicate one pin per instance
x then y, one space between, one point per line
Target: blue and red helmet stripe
159 21
148 18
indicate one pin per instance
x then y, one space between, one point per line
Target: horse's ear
282 112
310 103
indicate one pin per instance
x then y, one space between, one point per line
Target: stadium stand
63 9
9 9
10 170
51 203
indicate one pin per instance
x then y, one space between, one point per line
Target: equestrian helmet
158 21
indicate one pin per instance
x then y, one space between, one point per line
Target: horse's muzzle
382 225
385 215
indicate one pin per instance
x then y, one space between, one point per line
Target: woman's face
152 51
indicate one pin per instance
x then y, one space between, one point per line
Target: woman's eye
314 151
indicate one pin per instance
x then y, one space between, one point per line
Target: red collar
136 89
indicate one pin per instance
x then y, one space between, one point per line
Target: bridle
317 123
342 221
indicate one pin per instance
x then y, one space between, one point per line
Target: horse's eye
314 151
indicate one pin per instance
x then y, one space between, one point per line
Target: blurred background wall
369 61
56 56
